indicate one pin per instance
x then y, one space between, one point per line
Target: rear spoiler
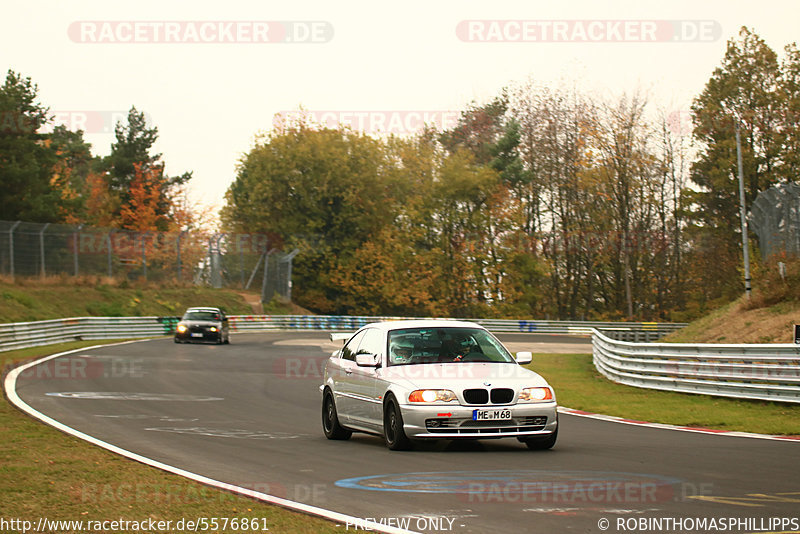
341 336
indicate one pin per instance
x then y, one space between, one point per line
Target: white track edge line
11 392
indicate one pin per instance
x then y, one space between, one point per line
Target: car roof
422 323
203 309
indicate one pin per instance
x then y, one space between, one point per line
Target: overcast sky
211 75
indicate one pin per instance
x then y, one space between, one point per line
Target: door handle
348 371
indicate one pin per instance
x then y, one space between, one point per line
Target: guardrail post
289 258
41 249
144 254
178 245
11 248
241 258
108 243
76 236
264 280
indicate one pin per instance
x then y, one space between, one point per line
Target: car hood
461 376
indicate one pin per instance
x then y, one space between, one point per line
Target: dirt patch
738 324
254 301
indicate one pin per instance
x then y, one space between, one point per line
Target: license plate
194 334
490 415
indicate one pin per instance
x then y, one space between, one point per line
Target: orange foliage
101 204
141 212
61 181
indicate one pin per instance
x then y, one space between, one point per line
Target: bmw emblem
487 384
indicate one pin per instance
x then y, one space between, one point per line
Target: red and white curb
662 426
10 385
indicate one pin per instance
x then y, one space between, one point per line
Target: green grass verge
45 473
578 385
53 301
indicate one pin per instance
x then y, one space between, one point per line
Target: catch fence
215 259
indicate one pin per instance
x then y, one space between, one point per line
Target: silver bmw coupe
434 379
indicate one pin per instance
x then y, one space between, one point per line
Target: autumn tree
326 191
478 130
26 159
141 212
130 155
749 91
70 175
789 93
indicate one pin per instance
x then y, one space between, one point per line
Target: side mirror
367 360
524 358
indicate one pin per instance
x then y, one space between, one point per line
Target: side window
372 343
349 350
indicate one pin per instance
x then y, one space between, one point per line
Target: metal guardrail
761 372
628 331
32 334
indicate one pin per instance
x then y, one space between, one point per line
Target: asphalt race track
249 414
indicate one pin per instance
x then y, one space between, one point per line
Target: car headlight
538 394
213 328
181 328
432 395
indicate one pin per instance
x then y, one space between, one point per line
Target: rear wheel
393 432
330 420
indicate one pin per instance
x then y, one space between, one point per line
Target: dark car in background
203 324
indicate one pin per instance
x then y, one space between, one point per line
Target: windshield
201 316
445 345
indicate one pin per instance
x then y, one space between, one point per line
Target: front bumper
456 422
205 335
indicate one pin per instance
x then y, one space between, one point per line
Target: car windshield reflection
201 316
412 346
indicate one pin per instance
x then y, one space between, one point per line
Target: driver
460 348
400 353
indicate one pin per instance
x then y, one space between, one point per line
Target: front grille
482 396
476 396
502 396
477 424
468 426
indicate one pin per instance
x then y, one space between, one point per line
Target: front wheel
543 442
330 420
393 432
